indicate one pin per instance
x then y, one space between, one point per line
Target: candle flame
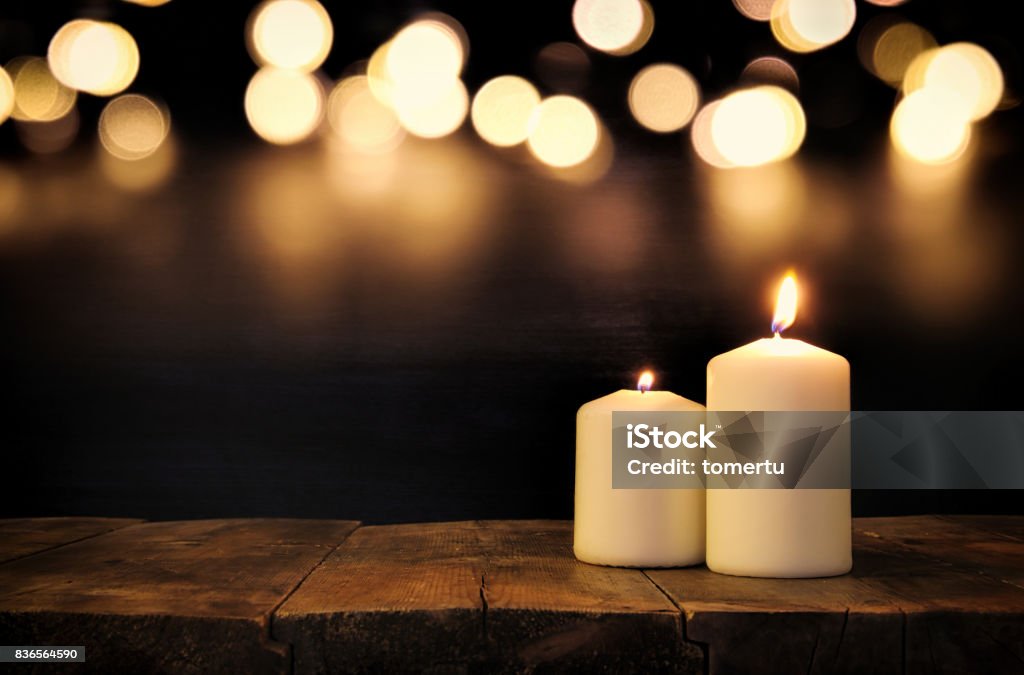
785 305
645 381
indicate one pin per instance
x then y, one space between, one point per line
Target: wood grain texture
806 625
1001 526
183 597
391 598
957 617
546 611
491 595
20 537
926 595
966 545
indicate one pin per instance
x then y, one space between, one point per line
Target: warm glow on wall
360 120
132 127
760 212
295 34
96 57
284 106
664 97
502 109
45 138
564 131
141 175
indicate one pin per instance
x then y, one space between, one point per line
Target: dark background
239 343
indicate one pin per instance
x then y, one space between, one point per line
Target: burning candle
779 532
631 527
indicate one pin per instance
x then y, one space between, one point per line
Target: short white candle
631 527
779 532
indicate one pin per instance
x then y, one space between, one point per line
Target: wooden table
927 594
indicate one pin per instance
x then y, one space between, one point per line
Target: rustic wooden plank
182 597
927 594
1001 526
20 537
956 618
955 541
393 598
546 611
496 596
836 625
914 601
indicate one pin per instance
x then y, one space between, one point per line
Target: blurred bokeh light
700 137
132 126
664 97
284 106
611 26
424 59
38 96
295 34
416 75
377 77
564 131
433 116
964 69
96 57
758 10
888 45
771 70
6 95
502 109
644 34
758 125
809 25
930 126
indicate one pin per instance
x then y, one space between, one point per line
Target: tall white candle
631 527
779 532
